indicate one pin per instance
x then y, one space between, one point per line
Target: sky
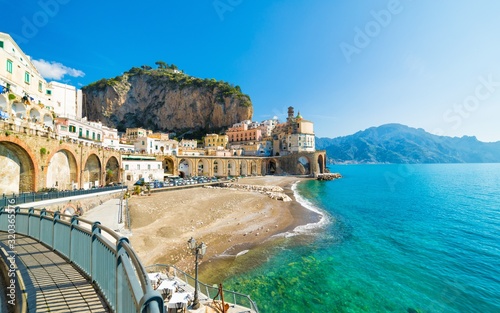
345 65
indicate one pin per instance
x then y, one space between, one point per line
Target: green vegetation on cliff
171 76
165 99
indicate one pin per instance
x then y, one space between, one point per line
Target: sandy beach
228 221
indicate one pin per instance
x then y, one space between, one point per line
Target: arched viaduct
305 163
33 161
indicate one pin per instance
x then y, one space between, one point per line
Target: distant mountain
396 143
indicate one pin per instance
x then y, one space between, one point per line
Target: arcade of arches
31 163
308 164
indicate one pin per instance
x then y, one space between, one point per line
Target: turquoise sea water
400 238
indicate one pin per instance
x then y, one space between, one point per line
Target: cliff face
166 101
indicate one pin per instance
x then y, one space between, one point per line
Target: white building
85 130
136 167
156 146
66 100
110 137
26 95
188 144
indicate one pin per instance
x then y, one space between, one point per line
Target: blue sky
346 65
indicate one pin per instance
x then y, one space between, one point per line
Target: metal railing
27 197
237 299
104 257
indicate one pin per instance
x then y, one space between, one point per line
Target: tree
174 67
146 67
109 175
161 64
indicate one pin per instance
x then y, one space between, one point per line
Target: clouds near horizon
55 70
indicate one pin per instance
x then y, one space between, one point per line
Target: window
158 166
1 44
40 85
99 138
80 132
72 129
138 166
87 134
49 92
93 136
9 66
26 77
149 166
126 167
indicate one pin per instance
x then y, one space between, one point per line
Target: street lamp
197 251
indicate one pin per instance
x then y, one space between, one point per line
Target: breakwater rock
329 176
273 192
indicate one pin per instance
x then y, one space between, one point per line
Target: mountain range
396 143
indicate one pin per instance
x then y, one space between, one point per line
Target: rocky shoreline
273 192
328 176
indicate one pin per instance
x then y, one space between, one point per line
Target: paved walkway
53 285
107 213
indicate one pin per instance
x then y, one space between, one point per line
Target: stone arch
321 163
203 168
184 168
17 168
232 170
19 109
48 120
92 171
62 170
272 167
253 168
303 166
218 167
112 174
34 115
244 168
4 104
168 166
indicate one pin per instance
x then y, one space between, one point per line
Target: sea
392 238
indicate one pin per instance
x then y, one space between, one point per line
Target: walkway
53 285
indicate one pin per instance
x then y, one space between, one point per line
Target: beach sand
228 221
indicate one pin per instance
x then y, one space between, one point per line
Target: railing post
55 220
43 213
93 254
31 211
119 260
74 221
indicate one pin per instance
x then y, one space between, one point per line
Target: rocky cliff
165 100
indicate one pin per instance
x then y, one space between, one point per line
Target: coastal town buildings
294 136
154 145
26 96
56 146
215 140
131 134
244 131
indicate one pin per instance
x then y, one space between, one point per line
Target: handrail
115 269
27 197
187 278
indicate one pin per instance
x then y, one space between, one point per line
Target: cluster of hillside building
27 98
